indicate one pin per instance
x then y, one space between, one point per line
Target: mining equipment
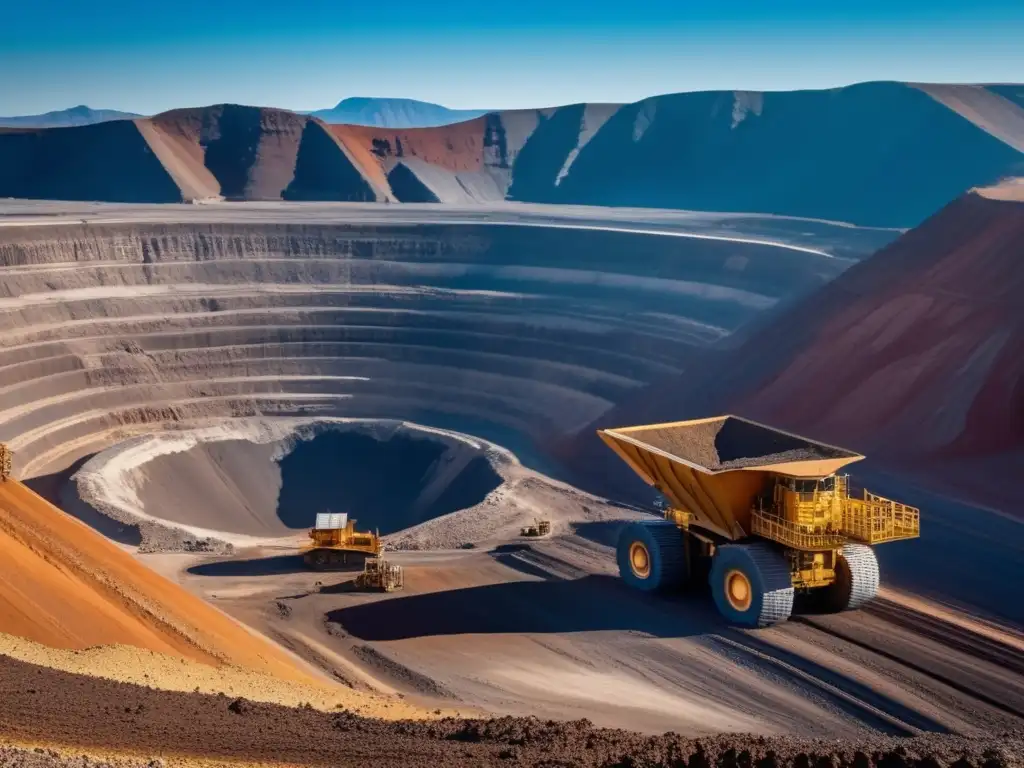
760 513
539 528
337 543
380 575
6 457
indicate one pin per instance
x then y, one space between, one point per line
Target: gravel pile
734 443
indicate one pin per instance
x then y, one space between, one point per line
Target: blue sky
147 56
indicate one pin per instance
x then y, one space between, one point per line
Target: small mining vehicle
761 514
337 544
539 528
380 575
6 460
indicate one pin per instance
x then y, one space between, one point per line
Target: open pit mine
184 389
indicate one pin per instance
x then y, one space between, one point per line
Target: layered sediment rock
109 329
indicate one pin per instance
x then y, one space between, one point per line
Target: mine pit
198 389
386 475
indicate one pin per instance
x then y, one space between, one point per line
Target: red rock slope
914 356
918 352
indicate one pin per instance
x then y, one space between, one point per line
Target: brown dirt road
547 629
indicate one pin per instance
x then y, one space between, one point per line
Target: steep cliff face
919 351
883 154
222 152
915 356
108 161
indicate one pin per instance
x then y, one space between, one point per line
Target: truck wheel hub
738 590
639 560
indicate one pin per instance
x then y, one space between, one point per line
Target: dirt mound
932 327
986 108
43 706
730 442
900 153
65 586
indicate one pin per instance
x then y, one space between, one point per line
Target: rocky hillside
916 356
881 154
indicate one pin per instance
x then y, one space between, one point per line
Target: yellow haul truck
759 512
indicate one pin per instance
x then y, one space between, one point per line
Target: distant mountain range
63 118
882 154
379 113
394 113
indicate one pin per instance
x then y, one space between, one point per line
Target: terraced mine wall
108 330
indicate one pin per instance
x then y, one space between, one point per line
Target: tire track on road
943 633
853 698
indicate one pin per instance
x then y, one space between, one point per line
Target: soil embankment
62 586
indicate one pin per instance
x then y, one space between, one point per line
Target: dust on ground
44 706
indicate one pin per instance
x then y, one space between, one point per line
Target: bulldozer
539 528
760 514
336 544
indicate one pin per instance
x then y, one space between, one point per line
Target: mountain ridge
70 117
878 154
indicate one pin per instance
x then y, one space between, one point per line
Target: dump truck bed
725 443
713 469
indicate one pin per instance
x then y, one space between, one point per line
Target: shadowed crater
386 477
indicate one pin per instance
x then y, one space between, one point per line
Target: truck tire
651 556
751 584
856 581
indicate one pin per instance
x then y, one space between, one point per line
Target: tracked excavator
760 514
